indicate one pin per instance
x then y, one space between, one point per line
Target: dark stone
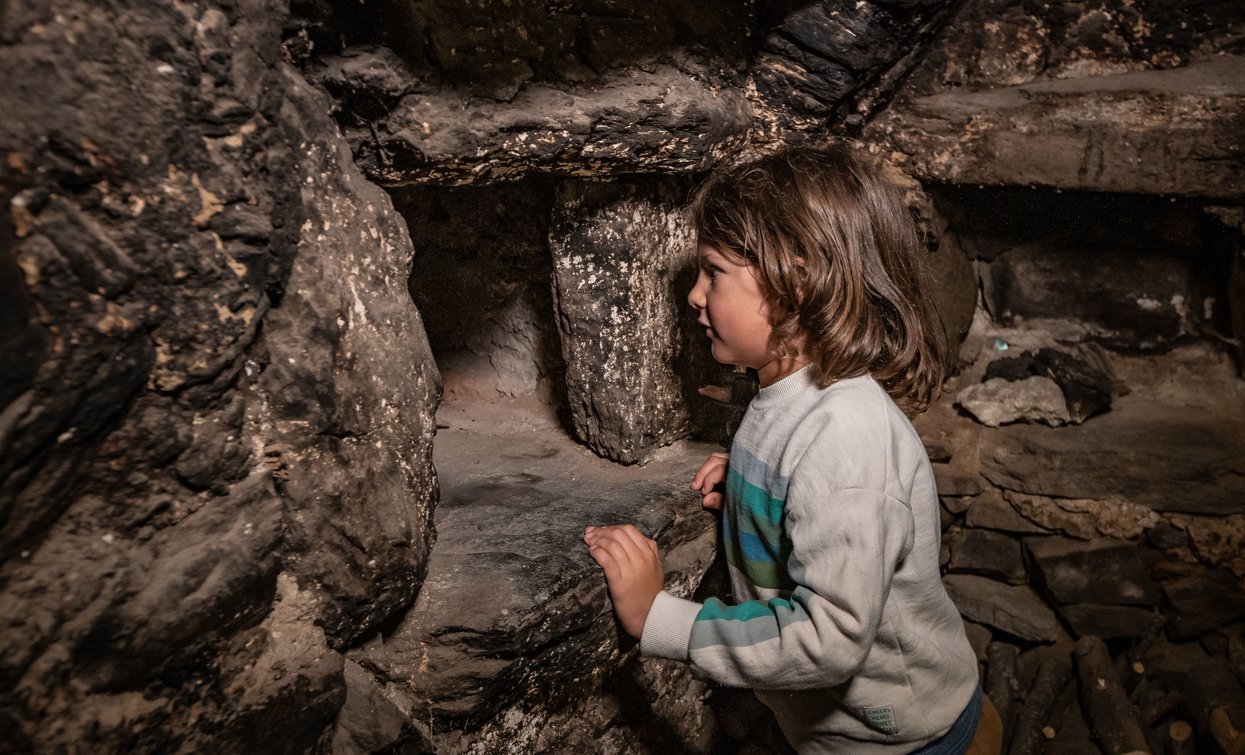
989 554
956 504
1016 610
514 611
352 387
624 259
1203 602
496 50
954 482
818 54
1133 306
1164 536
1165 458
369 722
1110 622
939 451
447 135
194 513
991 511
1171 662
979 638
1098 572
950 281
1012 368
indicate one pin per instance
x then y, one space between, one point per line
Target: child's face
732 306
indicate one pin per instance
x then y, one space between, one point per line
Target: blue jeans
960 735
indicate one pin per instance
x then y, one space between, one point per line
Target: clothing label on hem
882 718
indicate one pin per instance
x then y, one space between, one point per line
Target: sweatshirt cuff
668 627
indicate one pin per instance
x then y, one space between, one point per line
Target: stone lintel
1174 132
655 120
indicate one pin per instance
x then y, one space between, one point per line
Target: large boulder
216 418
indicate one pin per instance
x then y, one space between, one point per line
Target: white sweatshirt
841 623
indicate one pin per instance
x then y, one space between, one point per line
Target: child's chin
720 356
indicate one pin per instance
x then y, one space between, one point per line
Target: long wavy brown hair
837 249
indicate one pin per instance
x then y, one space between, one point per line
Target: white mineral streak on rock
1217 540
1085 518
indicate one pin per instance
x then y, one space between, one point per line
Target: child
830 522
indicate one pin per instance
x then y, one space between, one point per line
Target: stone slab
654 120
1110 622
624 260
1203 602
513 606
989 554
1100 572
1016 610
1167 459
1149 132
991 511
998 402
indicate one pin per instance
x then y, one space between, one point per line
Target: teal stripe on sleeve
743 625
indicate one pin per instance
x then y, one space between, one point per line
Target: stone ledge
1174 132
658 119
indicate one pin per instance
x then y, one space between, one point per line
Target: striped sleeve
845 546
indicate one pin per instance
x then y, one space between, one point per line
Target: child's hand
711 474
632 571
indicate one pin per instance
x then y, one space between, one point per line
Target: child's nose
696 297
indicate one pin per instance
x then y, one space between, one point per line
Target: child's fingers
636 538
714 468
616 549
712 501
606 562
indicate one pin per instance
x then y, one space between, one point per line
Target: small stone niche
562 304
482 281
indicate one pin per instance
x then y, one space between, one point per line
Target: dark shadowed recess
1145 272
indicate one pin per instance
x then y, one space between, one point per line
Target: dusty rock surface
511 644
1103 133
624 259
215 443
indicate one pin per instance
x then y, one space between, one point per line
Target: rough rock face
1103 133
624 259
216 414
510 646
813 60
214 468
659 120
1082 95
589 88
